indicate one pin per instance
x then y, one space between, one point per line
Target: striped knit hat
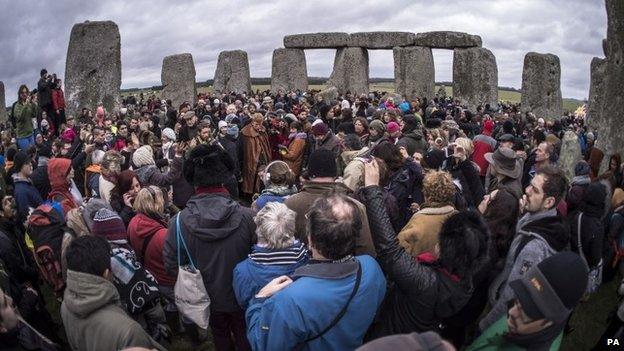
109 225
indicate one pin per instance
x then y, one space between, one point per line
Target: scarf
211 190
165 149
537 341
284 256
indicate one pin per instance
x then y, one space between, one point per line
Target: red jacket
58 99
483 144
141 227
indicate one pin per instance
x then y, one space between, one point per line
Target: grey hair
97 157
275 226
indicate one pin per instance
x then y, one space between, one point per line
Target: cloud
35 34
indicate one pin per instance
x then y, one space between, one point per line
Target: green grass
503 95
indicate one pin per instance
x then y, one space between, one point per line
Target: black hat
434 158
506 138
45 151
322 164
20 160
208 165
551 289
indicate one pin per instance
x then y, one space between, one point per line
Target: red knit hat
393 127
488 127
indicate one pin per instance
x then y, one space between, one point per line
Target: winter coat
262 266
231 147
219 234
94 319
302 201
421 232
294 156
494 339
58 100
592 227
273 194
58 169
423 293
15 254
414 141
44 91
256 152
468 176
575 195
26 196
142 228
538 237
39 178
304 308
151 174
353 174
330 142
22 114
483 144
406 186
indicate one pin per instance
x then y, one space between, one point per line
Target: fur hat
378 126
208 165
108 224
143 156
169 133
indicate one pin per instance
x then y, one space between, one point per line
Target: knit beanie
320 129
378 126
19 160
322 164
143 156
582 168
222 124
169 133
393 127
233 131
108 224
488 127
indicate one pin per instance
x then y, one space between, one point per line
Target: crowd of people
293 221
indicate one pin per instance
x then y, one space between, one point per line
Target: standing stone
350 71
178 79
612 140
3 111
414 72
316 40
93 67
381 40
289 70
570 154
475 77
447 40
232 72
596 90
541 86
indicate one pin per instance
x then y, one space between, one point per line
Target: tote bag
191 297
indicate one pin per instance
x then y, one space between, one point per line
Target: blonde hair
466 144
438 188
150 201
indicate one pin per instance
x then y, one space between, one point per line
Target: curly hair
438 188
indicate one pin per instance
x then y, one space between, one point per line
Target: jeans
24 143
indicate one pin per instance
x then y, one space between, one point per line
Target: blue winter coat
26 196
251 275
307 306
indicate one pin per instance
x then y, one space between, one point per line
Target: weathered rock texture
612 140
93 67
381 40
3 112
329 94
541 85
596 91
570 154
289 70
232 73
475 77
316 40
447 40
414 72
178 79
350 71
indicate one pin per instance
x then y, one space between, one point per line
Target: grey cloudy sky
35 34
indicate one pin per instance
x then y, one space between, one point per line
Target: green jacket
94 319
492 339
23 115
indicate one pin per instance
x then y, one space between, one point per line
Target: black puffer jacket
592 227
219 234
422 295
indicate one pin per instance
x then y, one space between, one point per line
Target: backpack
46 228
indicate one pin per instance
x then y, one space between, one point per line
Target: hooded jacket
414 141
353 161
423 294
140 229
592 227
539 236
58 169
26 196
94 319
219 234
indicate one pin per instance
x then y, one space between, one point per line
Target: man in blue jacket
329 303
26 195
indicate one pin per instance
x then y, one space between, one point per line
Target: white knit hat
143 156
222 124
169 133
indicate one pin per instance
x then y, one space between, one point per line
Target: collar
327 269
219 189
532 217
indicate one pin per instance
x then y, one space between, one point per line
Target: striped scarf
286 256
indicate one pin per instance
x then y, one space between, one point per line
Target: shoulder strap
578 238
342 312
523 242
180 238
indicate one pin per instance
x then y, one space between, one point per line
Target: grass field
503 95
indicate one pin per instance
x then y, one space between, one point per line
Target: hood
414 134
58 169
87 293
594 200
211 216
146 226
348 156
144 173
552 228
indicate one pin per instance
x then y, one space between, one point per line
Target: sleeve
166 179
353 175
137 337
410 276
242 286
170 256
473 180
270 328
295 149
